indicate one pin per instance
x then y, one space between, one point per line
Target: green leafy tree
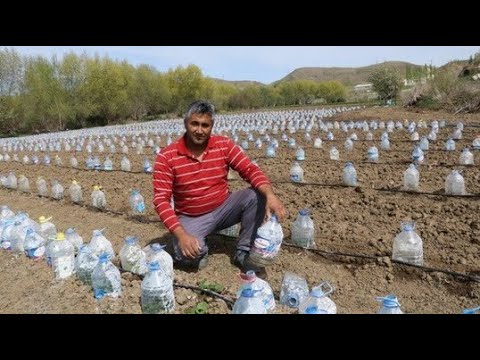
387 82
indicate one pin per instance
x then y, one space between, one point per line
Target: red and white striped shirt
198 187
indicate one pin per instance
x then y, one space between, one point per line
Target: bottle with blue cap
349 175
267 242
303 230
296 173
132 257
292 143
417 155
270 152
156 252
390 305
100 244
136 201
372 154
407 245
85 263
147 166
300 154
471 311
265 292
294 290
34 244
249 302
107 164
106 278
318 302
157 295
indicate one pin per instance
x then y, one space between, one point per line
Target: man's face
199 128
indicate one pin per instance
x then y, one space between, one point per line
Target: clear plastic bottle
369 136
47 229
390 305
75 192
450 145
407 245
411 178
294 290
74 238
417 155
385 144
270 152
73 162
303 230
372 154
137 204
424 145
296 172
42 187
300 154
157 295
318 302
107 164
348 144
334 154
62 255
57 190
317 143
249 302
349 174
132 257
23 184
455 184
99 244
12 181
267 243
106 278
466 157
34 244
156 252
58 160
85 263
476 143
265 292
98 198
125 164
471 311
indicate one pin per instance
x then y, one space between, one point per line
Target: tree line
39 94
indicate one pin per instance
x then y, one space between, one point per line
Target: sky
265 64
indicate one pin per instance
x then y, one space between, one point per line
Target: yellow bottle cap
96 187
43 219
60 236
74 182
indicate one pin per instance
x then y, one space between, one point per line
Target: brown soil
360 221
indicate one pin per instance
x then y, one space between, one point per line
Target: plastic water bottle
46 160
411 178
372 154
34 244
330 136
99 244
296 172
98 198
455 184
75 192
476 143
303 230
244 144
62 255
249 303
74 238
348 145
85 263
466 157
156 252
12 181
471 311
157 291
57 190
317 143
385 144
47 229
5 212
267 243
23 184
125 164
265 292
417 155
300 154
369 136
415 136
137 204
450 145
432 136
424 145
73 162
407 245
58 161
294 290
349 174
106 279
132 257
147 166
107 164
457 134
334 154
292 143
390 305
318 302
270 152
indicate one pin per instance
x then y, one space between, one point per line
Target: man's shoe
241 259
193 265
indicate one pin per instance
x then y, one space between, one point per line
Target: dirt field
361 221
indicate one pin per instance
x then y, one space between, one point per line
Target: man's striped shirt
198 187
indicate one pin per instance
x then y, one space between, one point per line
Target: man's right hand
188 244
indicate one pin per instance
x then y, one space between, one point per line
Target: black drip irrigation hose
424 268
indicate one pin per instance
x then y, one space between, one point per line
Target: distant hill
240 84
348 76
